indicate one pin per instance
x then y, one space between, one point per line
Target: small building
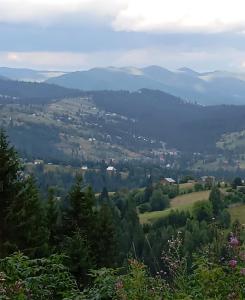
167 181
38 162
208 181
111 169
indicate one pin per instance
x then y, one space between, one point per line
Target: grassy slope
180 202
238 213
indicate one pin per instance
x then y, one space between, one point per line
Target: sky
80 34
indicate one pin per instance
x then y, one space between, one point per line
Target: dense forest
87 246
23 92
186 126
146 114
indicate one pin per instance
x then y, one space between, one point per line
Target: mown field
238 213
181 202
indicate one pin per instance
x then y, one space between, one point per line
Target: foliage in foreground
211 277
45 278
218 273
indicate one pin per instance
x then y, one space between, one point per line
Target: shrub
38 279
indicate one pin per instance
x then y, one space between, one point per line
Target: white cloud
49 11
182 15
134 15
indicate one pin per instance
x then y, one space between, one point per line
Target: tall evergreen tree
79 212
26 219
52 214
105 241
104 196
215 199
79 225
148 190
80 256
10 185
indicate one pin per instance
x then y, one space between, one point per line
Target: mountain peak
188 71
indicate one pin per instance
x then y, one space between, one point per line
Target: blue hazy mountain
27 74
209 88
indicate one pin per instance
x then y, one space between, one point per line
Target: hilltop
207 88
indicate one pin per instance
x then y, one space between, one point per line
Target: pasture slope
181 202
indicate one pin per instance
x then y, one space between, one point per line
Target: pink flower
119 285
232 263
242 256
234 241
242 272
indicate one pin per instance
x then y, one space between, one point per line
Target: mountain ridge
208 88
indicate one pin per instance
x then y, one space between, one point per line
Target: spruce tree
79 214
10 185
104 196
148 190
79 224
26 219
52 214
78 250
105 241
215 199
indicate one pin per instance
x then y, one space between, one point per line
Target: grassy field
186 186
238 213
182 202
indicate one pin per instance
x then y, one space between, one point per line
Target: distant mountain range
209 88
28 74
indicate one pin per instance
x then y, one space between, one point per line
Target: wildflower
242 256
234 241
232 263
119 285
242 272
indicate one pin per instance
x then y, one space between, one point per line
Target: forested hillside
132 124
188 127
83 246
29 92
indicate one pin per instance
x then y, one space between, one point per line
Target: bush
158 200
198 187
202 211
37 279
145 207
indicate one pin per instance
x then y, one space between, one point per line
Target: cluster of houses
109 169
204 180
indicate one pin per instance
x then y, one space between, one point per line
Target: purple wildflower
234 241
242 272
242 256
119 285
232 263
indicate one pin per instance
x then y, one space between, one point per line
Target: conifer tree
52 214
148 190
10 185
79 224
215 199
79 214
80 257
104 196
26 219
105 241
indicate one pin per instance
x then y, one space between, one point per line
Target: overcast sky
81 34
